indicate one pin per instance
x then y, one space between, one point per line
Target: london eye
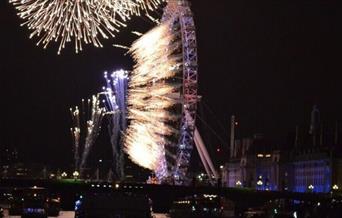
163 97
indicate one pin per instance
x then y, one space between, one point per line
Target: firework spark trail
93 129
114 132
150 98
120 82
90 131
115 92
76 135
81 21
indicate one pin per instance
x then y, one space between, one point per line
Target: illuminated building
8 156
316 158
312 162
312 167
255 163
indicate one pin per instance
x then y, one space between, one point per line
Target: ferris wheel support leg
200 146
205 164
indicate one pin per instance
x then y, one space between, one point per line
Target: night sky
267 62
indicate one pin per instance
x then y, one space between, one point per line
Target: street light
335 187
311 187
64 174
238 183
259 182
76 174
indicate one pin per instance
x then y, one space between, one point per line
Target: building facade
311 163
256 166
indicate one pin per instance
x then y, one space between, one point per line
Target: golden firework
151 96
81 21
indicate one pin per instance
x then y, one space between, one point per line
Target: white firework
86 128
81 21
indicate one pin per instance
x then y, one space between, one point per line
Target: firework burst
81 21
151 97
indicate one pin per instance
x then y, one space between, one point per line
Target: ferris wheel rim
180 10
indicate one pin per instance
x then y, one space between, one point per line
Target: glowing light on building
264 155
81 21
